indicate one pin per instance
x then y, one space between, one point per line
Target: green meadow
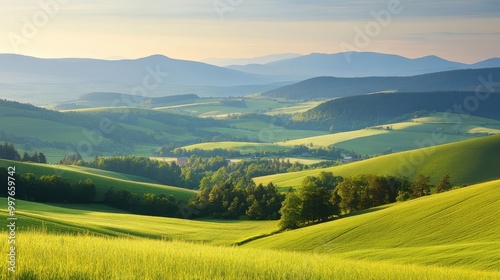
125 258
102 220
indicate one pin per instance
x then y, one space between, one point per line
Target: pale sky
463 30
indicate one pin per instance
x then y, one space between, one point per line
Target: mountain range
358 64
333 87
48 81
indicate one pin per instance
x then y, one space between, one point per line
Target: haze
465 31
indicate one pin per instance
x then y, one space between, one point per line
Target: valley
241 175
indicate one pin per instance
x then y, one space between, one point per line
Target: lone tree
291 211
444 185
421 186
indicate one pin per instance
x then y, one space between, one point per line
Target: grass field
46 256
454 235
459 228
405 136
467 162
215 107
102 179
102 220
243 147
41 129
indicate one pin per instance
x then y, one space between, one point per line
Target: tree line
143 204
329 152
326 196
50 188
8 151
230 201
193 175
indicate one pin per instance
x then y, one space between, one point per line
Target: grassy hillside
102 179
356 112
459 228
467 162
103 220
401 136
46 256
221 107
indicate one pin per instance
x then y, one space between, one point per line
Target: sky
460 30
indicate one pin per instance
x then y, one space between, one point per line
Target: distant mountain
161 69
489 63
357 112
244 61
331 87
357 64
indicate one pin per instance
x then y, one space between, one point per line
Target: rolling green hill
467 162
403 136
133 131
103 220
459 228
396 137
457 239
102 179
356 112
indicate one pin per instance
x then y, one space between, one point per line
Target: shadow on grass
369 210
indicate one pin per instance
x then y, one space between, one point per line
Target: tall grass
46 256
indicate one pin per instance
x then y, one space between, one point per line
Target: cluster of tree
8 151
238 103
326 196
230 201
315 201
181 152
195 174
168 173
330 152
36 157
50 188
145 204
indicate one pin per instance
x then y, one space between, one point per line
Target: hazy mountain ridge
334 87
163 70
358 64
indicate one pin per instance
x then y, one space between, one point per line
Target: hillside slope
357 112
102 179
103 220
457 228
467 162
